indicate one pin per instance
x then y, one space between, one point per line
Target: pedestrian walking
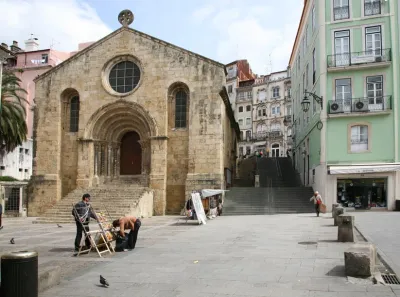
82 218
317 202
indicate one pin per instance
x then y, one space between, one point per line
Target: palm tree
13 128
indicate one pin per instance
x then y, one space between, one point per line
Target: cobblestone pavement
55 245
383 229
280 255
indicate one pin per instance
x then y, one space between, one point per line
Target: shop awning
363 168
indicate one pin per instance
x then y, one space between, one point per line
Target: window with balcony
248 108
248 150
240 108
342 48
343 90
248 121
375 92
249 95
359 140
373 41
341 9
241 96
248 135
372 7
262 96
275 127
261 128
276 110
275 92
289 110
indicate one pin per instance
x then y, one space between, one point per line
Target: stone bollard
346 228
334 206
360 259
338 211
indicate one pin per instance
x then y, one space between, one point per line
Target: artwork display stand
101 236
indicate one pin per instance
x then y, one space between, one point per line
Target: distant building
27 64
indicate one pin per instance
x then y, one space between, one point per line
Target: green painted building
346 53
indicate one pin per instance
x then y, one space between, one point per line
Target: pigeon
104 282
12 241
59 226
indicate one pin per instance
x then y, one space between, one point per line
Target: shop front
362 193
364 187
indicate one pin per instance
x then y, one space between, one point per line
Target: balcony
372 58
288 98
361 105
287 119
341 13
372 8
264 135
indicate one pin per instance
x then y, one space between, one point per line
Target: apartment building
345 68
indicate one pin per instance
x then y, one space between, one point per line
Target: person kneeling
126 223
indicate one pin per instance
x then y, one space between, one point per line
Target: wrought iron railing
341 13
359 58
372 8
264 135
368 104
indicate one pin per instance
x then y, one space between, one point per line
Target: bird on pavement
104 282
12 241
59 226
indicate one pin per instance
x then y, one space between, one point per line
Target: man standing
317 202
82 217
131 223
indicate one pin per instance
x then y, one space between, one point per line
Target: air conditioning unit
361 105
336 107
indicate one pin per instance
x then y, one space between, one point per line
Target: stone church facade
132 105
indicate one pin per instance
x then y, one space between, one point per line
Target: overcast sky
261 31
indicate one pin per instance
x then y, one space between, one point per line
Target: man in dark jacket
82 216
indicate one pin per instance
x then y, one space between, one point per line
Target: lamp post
305 104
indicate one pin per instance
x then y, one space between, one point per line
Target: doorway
131 154
275 150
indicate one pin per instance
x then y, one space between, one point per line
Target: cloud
63 23
261 33
202 13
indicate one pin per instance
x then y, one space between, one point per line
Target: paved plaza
280 255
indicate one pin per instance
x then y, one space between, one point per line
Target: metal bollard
19 274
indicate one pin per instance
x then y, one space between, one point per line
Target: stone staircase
119 198
280 191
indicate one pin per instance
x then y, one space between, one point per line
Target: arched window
180 109
74 114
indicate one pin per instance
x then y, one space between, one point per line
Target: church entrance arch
120 136
131 154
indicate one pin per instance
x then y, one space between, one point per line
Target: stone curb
49 277
381 254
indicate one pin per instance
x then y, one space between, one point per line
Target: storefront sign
198 206
363 169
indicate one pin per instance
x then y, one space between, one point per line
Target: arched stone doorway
131 154
118 137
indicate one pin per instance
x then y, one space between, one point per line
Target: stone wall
195 155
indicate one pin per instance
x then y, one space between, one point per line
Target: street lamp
305 104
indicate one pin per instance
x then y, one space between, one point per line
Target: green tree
13 128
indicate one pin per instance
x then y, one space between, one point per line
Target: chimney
14 47
31 44
4 45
